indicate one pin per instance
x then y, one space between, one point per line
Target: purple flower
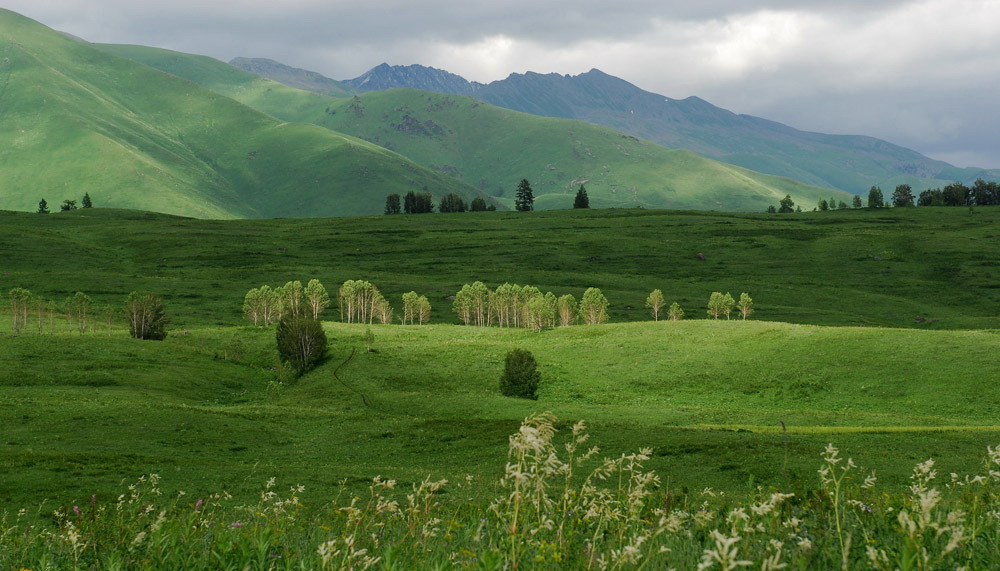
197 506
236 524
76 510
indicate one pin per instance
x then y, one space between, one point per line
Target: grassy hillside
82 413
930 268
76 119
493 148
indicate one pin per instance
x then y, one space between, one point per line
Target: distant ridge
848 162
387 76
292 76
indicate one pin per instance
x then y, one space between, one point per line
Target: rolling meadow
874 330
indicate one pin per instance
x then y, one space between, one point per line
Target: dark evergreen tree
301 342
902 196
410 202
823 205
392 204
452 202
581 200
520 375
477 205
856 202
86 200
524 198
786 204
875 198
424 203
986 193
771 209
43 207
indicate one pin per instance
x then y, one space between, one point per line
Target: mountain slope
493 148
851 163
292 76
74 119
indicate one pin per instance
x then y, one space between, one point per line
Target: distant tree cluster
67 205
266 305
785 205
361 302
981 193
513 305
720 304
78 312
423 203
416 309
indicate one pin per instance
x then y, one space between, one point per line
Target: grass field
202 408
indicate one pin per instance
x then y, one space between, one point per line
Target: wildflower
724 553
197 505
236 524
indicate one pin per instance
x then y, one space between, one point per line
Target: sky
922 74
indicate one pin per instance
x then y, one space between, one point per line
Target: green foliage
675 313
19 301
875 198
392 204
316 297
418 203
79 307
43 207
452 202
902 196
567 310
856 202
520 375
594 306
786 204
301 343
478 204
745 305
655 303
369 339
87 203
524 196
146 317
67 205
581 200
823 205
720 304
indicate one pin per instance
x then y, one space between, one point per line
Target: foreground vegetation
555 506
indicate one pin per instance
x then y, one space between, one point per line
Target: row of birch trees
359 301
513 305
79 312
266 305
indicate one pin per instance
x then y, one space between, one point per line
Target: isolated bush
301 343
146 319
520 375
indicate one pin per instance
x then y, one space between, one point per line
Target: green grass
859 267
76 119
494 148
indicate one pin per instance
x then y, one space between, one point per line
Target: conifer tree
581 200
43 207
86 200
524 198
392 204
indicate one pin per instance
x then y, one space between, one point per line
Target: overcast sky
923 74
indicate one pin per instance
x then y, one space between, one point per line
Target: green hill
76 119
922 267
493 148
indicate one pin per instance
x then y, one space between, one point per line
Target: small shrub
301 343
146 319
520 375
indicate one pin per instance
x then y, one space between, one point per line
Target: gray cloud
915 72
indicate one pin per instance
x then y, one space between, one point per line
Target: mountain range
852 163
493 148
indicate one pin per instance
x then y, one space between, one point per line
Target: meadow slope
78 120
493 148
